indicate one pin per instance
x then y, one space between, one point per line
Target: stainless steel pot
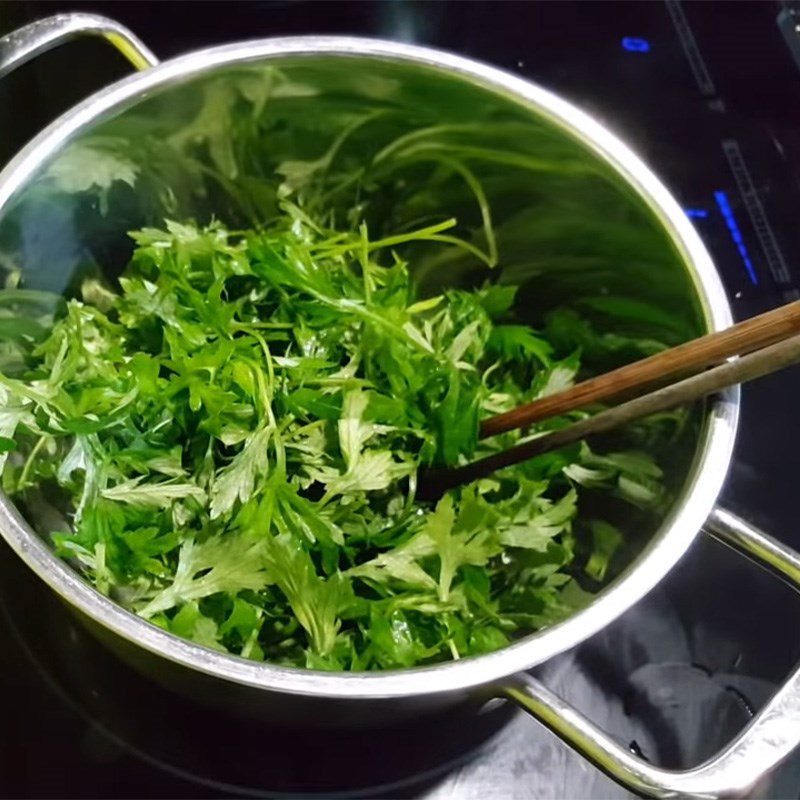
386 69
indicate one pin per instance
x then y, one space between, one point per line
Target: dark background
737 619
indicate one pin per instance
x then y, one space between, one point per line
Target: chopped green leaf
231 431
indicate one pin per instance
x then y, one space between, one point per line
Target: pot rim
668 545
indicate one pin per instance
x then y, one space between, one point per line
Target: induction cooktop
709 95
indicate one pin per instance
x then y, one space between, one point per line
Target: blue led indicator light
634 44
696 213
736 234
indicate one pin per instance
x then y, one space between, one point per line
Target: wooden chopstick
658 369
776 356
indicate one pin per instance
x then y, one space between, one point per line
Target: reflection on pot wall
424 145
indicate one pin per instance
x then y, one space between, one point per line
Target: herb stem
23 478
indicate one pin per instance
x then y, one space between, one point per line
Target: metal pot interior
222 134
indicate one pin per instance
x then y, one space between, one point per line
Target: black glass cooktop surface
709 95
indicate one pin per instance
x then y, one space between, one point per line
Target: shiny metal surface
445 683
336 700
771 736
295 696
31 40
667 546
756 545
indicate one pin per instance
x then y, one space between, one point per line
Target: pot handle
37 37
760 747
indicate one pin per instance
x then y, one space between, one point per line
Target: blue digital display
736 233
634 44
696 213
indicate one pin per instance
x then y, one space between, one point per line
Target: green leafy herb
230 436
